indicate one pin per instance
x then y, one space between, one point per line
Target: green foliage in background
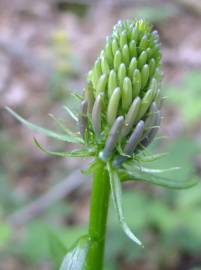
186 96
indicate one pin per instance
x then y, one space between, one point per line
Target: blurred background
46 49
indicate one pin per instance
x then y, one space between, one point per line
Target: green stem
98 217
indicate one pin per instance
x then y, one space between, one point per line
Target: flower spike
128 76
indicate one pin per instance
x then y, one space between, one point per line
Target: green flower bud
134 34
121 74
144 75
108 50
132 48
101 85
136 82
113 106
126 82
146 101
89 96
154 85
112 82
132 66
96 115
152 67
114 46
127 94
123 39
144 43
97 71
117 59
142 59
148 51
125 55
131 116
104 65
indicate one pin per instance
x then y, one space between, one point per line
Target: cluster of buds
120 112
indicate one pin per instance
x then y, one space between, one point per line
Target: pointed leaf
76 257
73 138
155 171
117 200
60 123
150 158
83 152
134 173
71 113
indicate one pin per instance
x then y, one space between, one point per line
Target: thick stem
98 217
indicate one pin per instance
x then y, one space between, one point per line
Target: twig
57 193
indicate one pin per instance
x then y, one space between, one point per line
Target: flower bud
136 82
113 106
132 66
112 82
104 65
96 115
123 39
113 138
101 85
114 46
125 55
117 59
89 96
108 50
121 74
131 144
142 59
131 116
127 94
144 75
126 80
132 48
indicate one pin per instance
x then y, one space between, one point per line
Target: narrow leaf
62 137
156 171
75 153
61 125
117 200
150 158
71 113
130 173
76 257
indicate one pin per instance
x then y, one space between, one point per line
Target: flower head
122 97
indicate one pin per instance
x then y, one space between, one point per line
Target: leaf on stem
154 171
71 113
75 259
84 152
117 200
71 137
151 158
131 172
